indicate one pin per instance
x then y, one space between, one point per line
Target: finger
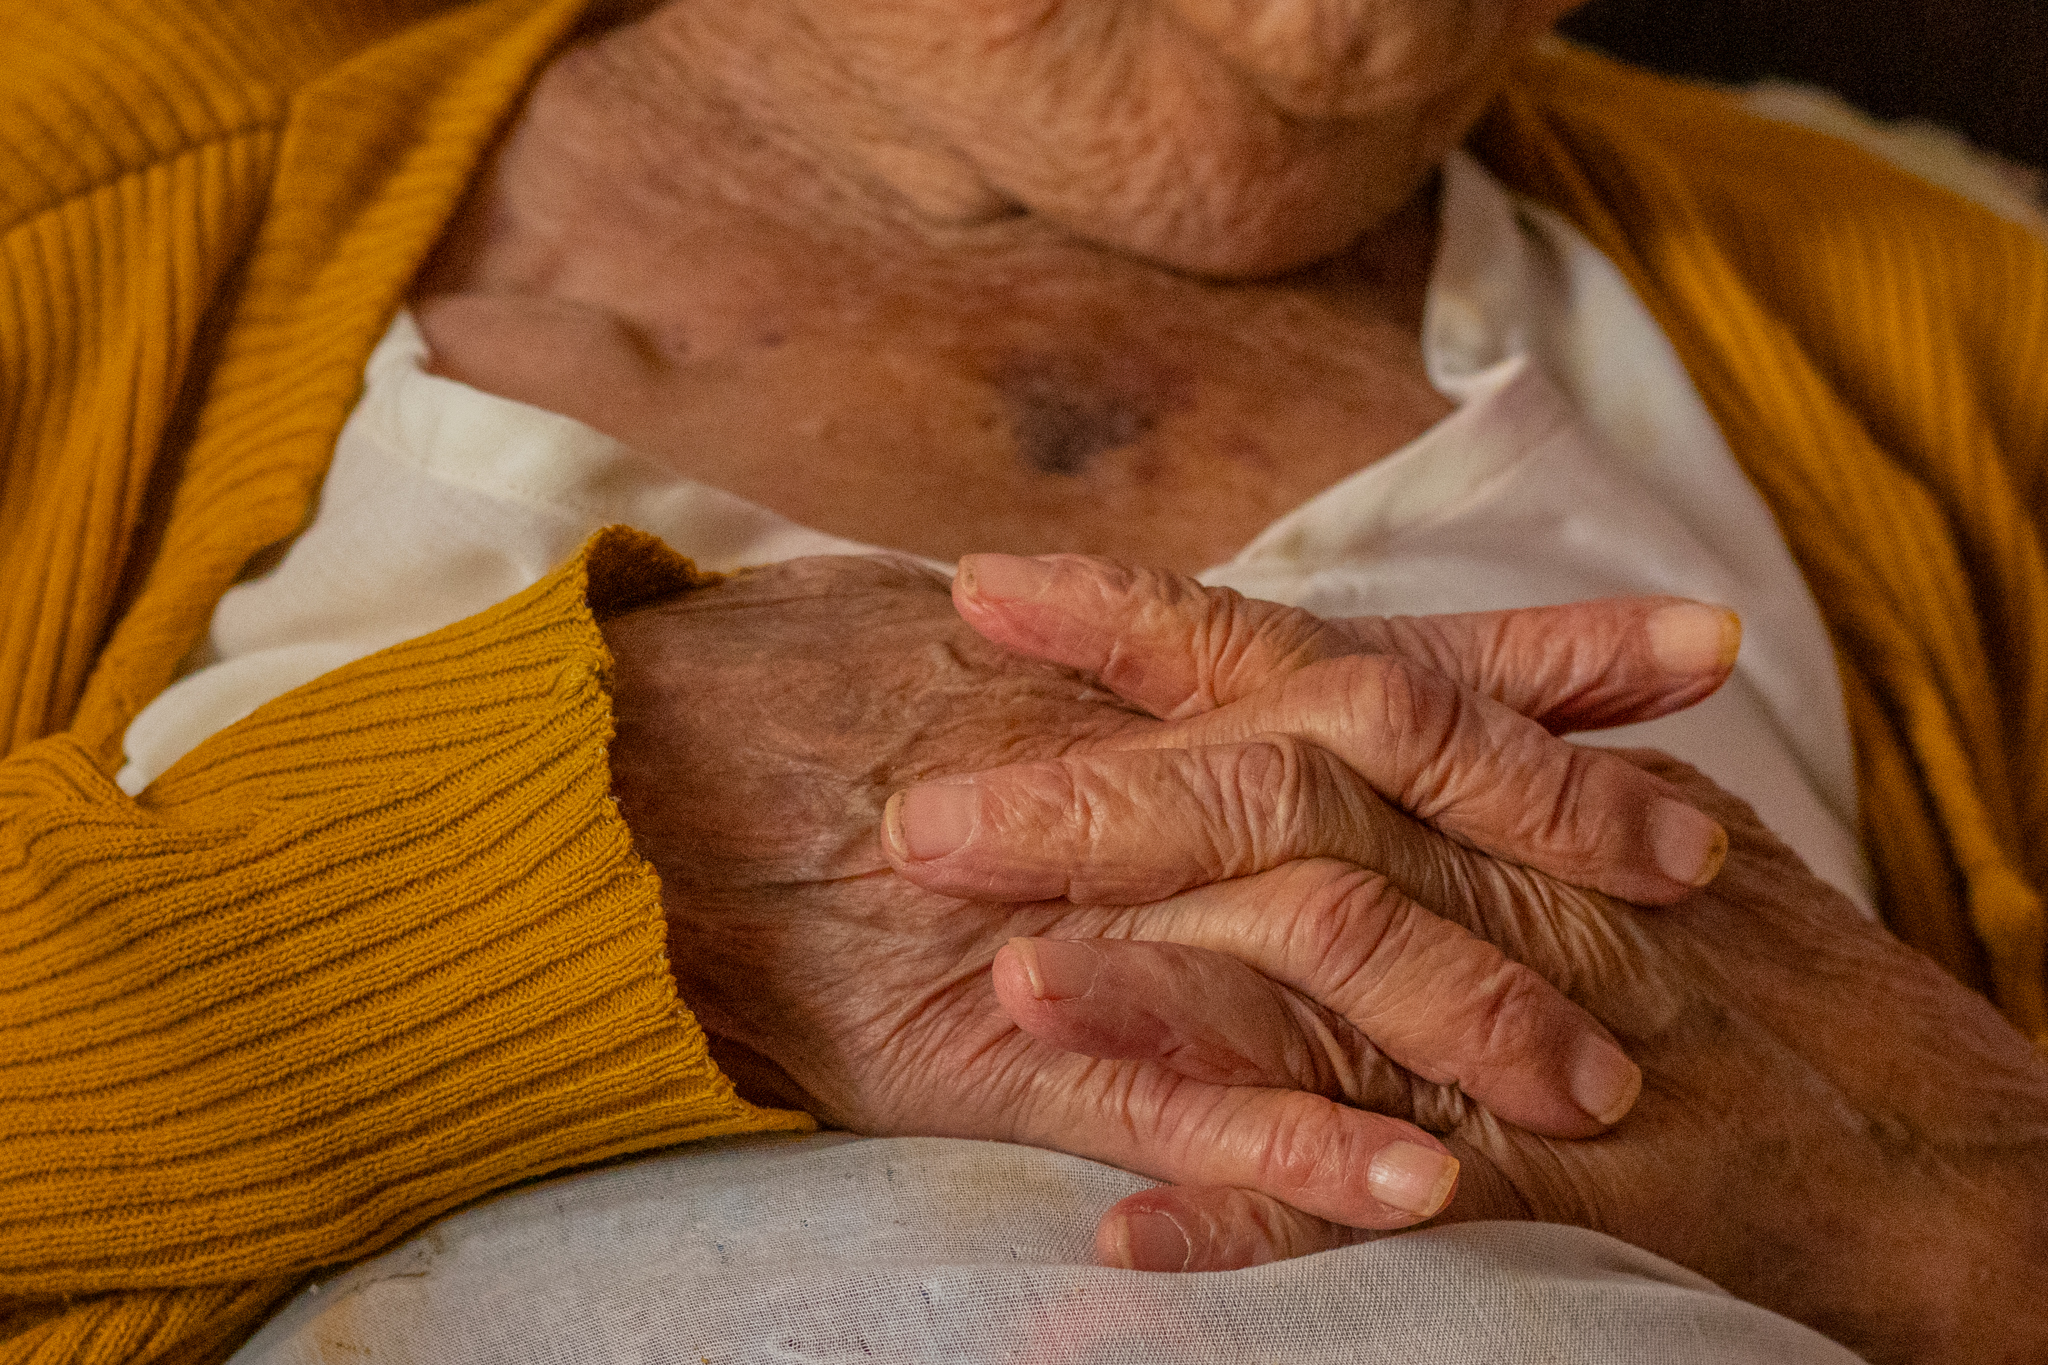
1133 825
1580 666
1155 638
1130 826
1348 1165
1459 1007
1210 1227
1465 763
1478 771
1197 1013
1177 648
1447 1005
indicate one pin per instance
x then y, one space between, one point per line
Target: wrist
1951 1266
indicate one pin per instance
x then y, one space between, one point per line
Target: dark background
1978 66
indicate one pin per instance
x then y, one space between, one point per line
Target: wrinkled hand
762 723
1829 1125
1450 718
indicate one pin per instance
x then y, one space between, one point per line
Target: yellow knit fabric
385 946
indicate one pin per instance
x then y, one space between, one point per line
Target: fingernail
1412 1178
1605 1082
930 821
1688 845
1692 637
1153 1241
1057 968
1004 576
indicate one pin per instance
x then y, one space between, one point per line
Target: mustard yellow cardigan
385 947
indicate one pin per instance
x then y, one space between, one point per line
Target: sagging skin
1116 276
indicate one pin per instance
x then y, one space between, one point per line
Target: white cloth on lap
830 1249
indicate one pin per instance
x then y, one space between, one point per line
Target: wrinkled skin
1235 138
761 726
1829 1125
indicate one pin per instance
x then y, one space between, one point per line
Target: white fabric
829 1249
1578 463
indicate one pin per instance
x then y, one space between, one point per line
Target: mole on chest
1058 427
1064 409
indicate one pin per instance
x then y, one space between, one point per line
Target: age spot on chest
1061 418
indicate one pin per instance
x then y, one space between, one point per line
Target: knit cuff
378 949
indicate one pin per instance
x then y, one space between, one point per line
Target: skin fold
1227 137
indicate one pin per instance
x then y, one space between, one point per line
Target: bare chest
1029 398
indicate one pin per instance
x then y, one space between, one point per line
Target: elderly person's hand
1829 1125
763 722
1450 718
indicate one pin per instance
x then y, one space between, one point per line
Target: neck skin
1152 128
762 68
734 220
628 135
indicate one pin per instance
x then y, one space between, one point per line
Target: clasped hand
1829 1125
1336 771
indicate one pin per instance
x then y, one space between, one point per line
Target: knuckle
1402 701
1144 606
1156 606
1114 577
1295 799
1338 813
1284 637
1255 1229
1231 643
1325 913
1296 1154
1312 1150
1060 817
1259 785
1423 716
1339 1061
1566 817
1051 798
1507 1016
1187 1122
1511 655
1248 775
1408 718
1345 923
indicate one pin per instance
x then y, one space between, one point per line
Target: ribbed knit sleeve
377 950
